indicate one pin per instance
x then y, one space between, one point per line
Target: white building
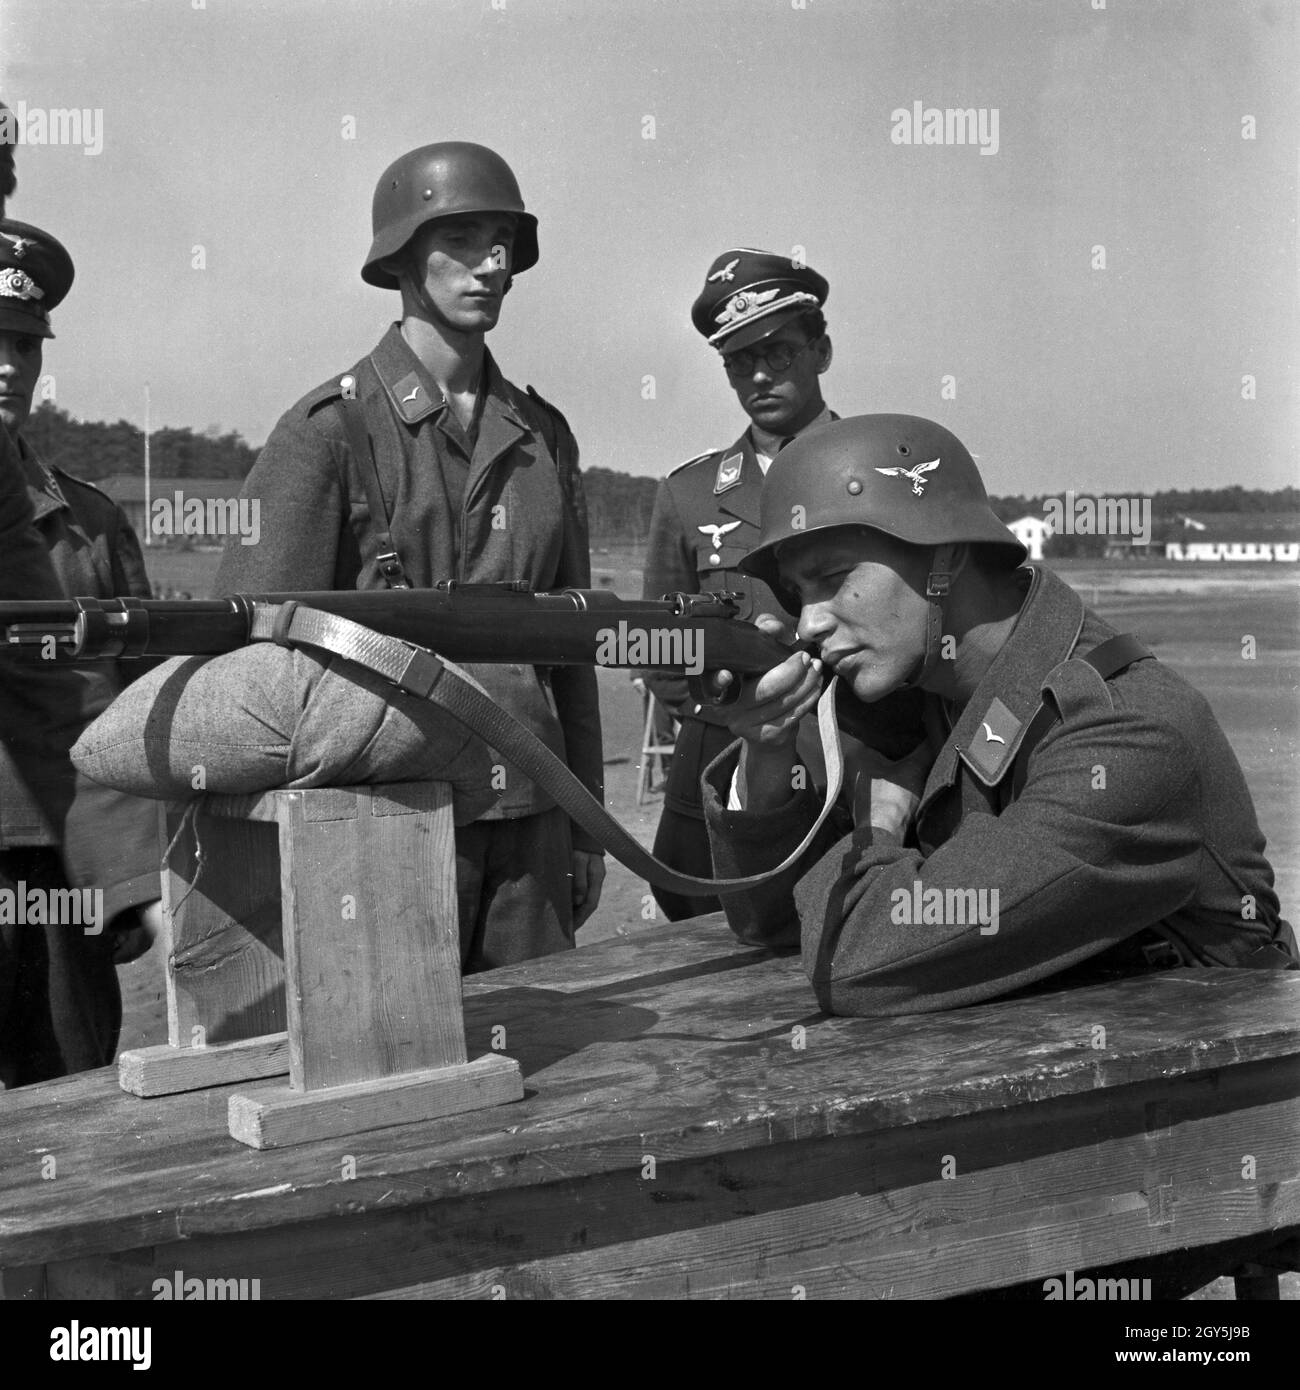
1228 549
1031 532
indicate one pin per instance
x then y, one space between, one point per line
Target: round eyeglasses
775 358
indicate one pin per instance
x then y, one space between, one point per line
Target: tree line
94 449
1170 503
618 504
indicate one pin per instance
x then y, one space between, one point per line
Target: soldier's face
464 263
20 368
862 597
784 401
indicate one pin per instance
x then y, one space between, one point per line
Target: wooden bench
693 1126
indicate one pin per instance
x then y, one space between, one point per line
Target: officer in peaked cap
1073 812
422 463
747 294
60 1007
762 313
36 274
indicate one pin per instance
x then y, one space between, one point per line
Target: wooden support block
274 1116
371 935
166 1070
221 901
348 895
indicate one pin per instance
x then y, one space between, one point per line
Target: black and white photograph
650 651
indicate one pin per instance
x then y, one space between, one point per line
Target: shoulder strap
1108 659
362 448
549 424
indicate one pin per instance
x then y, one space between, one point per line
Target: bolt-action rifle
410 636
693 634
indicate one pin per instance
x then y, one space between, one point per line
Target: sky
648 137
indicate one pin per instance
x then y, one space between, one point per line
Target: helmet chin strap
407 277
936 591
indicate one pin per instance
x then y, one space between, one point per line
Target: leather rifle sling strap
362 449
422 673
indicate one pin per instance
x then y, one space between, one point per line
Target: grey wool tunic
1134 839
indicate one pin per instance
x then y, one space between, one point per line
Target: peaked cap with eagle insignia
748 294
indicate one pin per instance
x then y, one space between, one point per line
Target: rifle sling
422 673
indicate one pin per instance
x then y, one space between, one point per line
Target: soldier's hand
588 878
770 706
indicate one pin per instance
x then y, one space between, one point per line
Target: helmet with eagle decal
900 474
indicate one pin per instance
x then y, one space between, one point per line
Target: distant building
1031 532
1229 549
1228 542
206 527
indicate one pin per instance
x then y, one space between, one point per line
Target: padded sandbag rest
268 716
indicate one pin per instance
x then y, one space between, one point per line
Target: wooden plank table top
692 1124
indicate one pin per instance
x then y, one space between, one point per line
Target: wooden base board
274 1116
167 1070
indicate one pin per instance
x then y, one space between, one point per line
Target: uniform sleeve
577 700
748 842
40 705
297 485
112 841
130 578
669 568
26 571
1104 840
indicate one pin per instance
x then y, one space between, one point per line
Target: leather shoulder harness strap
1108 659
362 448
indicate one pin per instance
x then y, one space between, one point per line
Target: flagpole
148 530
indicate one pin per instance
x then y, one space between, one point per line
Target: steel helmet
900 474
440 181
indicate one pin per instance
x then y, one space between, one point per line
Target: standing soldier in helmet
763 314
421 464
1075 806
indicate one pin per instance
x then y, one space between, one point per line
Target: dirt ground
1198 618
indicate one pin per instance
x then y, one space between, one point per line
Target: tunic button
715 559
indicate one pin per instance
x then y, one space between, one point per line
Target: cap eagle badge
743 304
17 285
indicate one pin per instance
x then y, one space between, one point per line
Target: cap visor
761 326
16 321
